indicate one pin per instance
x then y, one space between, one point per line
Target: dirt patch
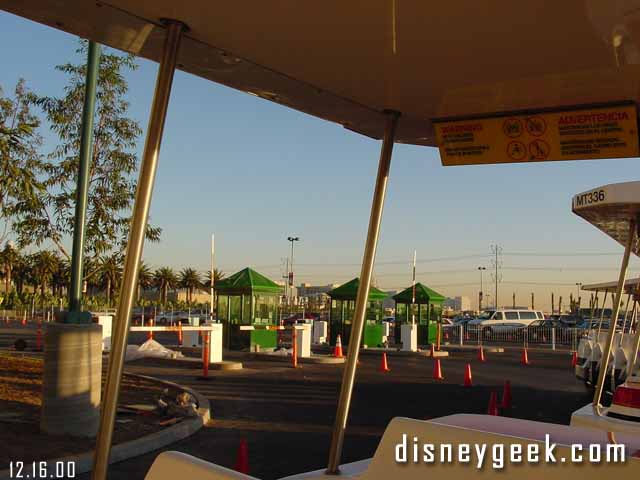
20 403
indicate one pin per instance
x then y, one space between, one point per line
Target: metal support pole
82 192
624 323
553 338
604 301
134 247
604 363
636 341
368 259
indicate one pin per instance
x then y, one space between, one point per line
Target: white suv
507 319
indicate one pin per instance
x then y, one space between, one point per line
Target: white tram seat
453 429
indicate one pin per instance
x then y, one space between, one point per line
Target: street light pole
291 239
578 286
480 294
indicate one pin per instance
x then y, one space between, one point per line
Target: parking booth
343 304
248 298
427 310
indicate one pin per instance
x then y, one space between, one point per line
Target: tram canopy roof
349 291
630 286
347 63
247 282
610 208
423 295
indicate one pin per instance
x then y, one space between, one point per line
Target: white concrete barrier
319 332
303 340
106 321
409 337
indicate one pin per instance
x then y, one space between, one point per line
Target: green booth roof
247 281
349 291
423 295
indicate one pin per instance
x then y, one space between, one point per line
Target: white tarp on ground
150 348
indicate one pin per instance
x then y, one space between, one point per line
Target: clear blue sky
253 172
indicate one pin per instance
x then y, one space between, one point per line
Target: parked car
566 319
506 319
548 322
169 318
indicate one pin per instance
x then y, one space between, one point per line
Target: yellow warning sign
603 132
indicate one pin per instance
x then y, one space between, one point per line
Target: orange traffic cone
24 318
493 405
481 357
384 367
433 351
337 350
506 395
574 359
467 376
242 459
39 336
437 370
525 357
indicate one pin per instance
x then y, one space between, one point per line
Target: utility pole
413 291
533 304
292 240
212 276
496 250
481 269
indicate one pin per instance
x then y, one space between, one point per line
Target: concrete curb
134 448
314 358
223 365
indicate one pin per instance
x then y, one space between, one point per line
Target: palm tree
8 257
44 264
145 278
62 277
109 274
165 278
21 273
190 280
217 276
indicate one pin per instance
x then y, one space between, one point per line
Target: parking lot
286 414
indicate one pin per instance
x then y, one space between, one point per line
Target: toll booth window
223 302
235 311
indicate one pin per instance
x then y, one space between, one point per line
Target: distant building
315 295
458 304
389 303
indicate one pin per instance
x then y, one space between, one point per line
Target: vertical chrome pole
604 363
134 247
368 259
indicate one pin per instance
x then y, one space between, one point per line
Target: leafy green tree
165 279
190 280
20 161
113 165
